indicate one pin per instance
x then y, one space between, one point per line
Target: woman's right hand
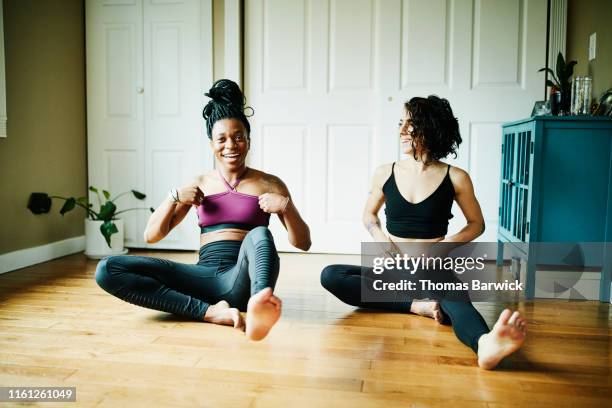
191 195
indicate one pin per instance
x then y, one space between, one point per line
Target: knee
329 277
260 234
103 276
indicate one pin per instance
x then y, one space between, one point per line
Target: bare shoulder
460 178
381 174
270 182
197 179
205 178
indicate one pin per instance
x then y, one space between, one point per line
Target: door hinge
527 228
531 147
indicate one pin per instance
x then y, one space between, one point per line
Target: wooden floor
58 328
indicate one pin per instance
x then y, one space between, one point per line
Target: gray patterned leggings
227 270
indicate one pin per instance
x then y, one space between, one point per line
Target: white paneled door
148 64
328 78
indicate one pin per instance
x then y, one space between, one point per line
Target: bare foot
222 313
507 336
427 309
263 312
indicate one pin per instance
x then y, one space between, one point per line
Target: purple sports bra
231 209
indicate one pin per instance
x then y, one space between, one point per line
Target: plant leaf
552 75
83 200
550 71
551 83
107 211
139 195
93 189
560 67
107 229
106 194
68 205
570 68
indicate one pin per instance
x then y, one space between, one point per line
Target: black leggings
345 282
227 270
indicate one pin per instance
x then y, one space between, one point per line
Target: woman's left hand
273 202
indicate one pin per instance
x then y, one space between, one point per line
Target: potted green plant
103 230
561 81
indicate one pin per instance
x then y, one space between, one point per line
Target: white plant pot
95 244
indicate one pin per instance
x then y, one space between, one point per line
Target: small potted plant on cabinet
560 85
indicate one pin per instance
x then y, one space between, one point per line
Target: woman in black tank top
418 193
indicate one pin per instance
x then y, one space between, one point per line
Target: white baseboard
32 256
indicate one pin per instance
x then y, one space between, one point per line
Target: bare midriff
399 239
227 234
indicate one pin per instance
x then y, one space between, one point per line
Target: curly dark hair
226 102
435 128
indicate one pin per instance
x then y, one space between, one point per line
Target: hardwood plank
57 327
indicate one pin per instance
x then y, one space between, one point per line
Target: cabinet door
517 152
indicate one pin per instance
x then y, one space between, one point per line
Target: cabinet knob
140 89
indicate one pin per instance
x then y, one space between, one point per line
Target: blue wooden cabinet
556 187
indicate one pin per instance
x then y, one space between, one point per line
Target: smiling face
405 132
230 143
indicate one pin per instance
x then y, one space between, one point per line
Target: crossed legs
214 292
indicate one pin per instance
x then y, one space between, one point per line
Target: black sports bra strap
448 170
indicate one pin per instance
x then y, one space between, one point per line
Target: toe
504 316
276 301
438 316
235 317
514 317
265 293
241 324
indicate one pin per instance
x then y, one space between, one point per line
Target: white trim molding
32 256
557 31
3 117
233 41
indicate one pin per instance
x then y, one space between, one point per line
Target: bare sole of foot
507 336
427 309
263 311
222 313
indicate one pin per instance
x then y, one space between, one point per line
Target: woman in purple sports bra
238 264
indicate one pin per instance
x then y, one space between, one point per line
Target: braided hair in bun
226 102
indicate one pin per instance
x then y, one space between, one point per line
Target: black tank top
426 219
